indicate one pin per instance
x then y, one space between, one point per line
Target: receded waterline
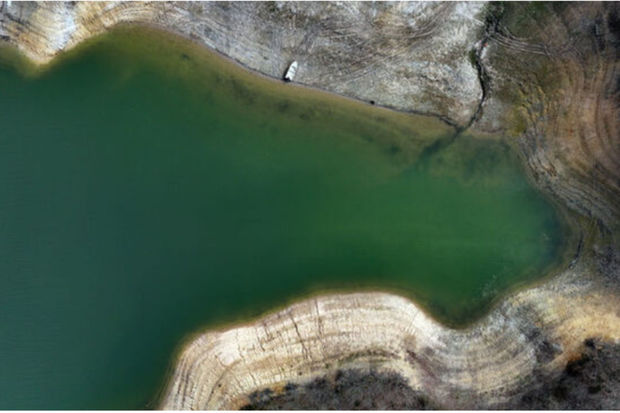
149 188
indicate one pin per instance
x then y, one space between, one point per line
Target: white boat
290 72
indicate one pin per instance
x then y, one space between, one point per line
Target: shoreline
190 345
553 269
39 67
493 330
576 301
148 17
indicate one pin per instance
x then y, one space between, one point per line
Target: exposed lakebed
148 188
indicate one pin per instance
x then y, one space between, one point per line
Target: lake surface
149 189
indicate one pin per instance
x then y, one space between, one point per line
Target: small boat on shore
290 72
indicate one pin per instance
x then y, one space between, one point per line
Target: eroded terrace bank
550 82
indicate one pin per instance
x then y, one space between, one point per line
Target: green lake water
149 189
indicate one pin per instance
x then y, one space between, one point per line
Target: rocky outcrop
543 76
554 88
591 381
528 339
345 389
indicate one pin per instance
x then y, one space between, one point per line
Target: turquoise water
148 190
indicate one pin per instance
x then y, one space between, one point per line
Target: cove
149 189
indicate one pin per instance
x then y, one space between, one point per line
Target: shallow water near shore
149 188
